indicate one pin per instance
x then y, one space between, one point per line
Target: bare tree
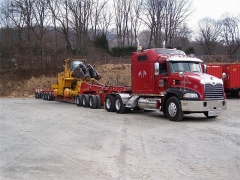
176 13
183 37
60 15
41 19
154 21
208 35
230 33
164 18
97 17
127 20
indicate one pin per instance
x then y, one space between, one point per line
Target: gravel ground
55 140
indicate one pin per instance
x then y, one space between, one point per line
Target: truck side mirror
205 68
224 75
156 68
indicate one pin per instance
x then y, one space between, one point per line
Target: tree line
42 32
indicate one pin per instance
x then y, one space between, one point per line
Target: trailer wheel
119 106
99 101
44 96
80 97
77 100
36 95
206 114
85 100
48 96
174 109
52 96
109 103
93 102
40 94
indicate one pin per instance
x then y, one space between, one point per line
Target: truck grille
213 92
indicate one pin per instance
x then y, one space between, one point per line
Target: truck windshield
185 67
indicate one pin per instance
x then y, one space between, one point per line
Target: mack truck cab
169 81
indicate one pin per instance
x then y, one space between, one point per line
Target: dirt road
55 140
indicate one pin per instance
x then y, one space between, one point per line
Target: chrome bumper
203 106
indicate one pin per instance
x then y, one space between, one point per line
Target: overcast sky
214 9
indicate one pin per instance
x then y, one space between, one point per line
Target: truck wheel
174 109
99 101
206 114
93 102
109 103
85 100
119 106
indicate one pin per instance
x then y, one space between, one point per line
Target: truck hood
203 78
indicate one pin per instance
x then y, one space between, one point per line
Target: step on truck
161 79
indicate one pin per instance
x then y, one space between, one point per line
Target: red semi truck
161 79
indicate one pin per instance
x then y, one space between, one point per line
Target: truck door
161 80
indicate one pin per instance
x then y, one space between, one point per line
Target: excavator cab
75 73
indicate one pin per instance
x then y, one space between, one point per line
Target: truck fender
125 97
169 93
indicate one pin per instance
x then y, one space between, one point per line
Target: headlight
190 95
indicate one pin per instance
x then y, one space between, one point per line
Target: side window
162 68
142 58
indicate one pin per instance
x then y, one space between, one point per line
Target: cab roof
177 58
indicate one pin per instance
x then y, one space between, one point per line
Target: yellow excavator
75 73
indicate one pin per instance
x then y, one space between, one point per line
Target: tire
85 100
119 106
80 97
99 101
93 102
52 96
109 103
174 109
206 114
36 95
77 101
48 96
40 94
44 96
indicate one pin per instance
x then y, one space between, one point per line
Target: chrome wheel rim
172 109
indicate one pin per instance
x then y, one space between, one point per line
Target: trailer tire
44 96
93 102
52 96
36 95
85 100
119 106
80 99
48 96
174 109
77 101
206 114
99 101
109 103
40 94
